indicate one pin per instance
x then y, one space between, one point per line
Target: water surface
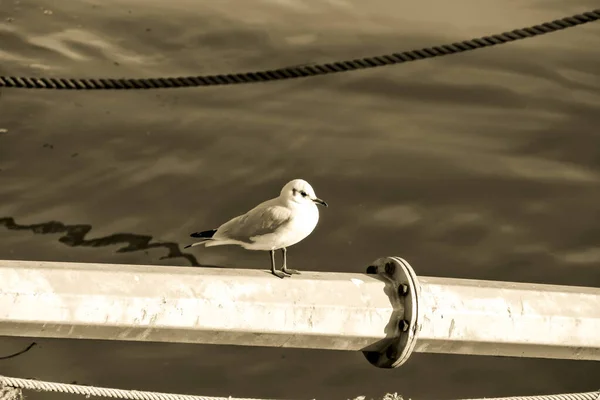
482 165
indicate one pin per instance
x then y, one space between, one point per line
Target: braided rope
9 393
300 71
88 391
565 396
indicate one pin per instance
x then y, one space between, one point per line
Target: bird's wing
263 219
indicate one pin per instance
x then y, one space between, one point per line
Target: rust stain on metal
452 326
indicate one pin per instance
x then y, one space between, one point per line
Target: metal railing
387 313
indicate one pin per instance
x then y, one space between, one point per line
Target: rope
89 391
300 71
9 393
566 396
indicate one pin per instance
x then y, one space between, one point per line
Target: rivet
372 269
404 325
391 352
403 289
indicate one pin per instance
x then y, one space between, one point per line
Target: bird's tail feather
197 243
204 235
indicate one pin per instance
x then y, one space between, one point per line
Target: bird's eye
303 193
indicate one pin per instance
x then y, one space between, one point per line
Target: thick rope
565 396
300 71
10 393
89 391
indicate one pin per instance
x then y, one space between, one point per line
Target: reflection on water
74 235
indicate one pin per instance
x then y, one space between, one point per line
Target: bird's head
299 191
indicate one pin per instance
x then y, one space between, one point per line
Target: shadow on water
18 353
74 236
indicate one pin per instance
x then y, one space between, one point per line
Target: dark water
483 165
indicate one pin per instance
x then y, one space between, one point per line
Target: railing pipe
386 313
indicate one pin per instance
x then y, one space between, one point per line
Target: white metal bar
509 319
341 311
194 305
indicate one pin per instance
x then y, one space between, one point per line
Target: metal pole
509 319
343 311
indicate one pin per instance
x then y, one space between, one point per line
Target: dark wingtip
204 234
188 246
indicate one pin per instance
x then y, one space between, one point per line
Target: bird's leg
284 269
278 274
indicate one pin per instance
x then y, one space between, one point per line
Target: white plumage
274 224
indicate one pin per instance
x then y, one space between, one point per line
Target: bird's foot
290 271
279 274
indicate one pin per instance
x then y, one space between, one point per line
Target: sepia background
482 165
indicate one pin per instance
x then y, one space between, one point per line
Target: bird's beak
319 201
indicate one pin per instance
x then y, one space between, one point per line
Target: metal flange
403 286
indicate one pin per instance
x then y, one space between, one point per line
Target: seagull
275 224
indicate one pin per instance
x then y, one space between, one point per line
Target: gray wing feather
265 218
